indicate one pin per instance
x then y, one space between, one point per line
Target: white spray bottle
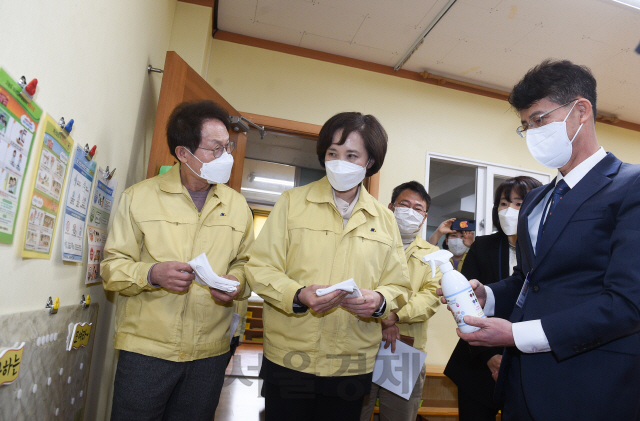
456 289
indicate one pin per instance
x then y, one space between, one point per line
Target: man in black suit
570 313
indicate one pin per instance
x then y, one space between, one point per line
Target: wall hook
108 175
52 306
89 153
153 69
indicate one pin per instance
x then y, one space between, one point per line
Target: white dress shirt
529 336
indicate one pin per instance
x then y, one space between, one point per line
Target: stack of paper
207 277
349 285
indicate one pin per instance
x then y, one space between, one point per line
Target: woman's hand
494 366
391 335
363 306
468 237
442 230
445 227
321 304
223 296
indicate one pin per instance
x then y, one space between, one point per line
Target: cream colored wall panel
90 59
191 34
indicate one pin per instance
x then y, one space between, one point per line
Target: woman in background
489 259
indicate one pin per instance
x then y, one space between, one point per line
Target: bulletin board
50 379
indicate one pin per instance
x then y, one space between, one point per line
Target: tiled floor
240 399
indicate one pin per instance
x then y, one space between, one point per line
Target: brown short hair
184 127
373 134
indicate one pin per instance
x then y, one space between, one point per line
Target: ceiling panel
360 52
261 30
490 43
309 17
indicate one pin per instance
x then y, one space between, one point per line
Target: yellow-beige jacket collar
172 183
321 192
418 245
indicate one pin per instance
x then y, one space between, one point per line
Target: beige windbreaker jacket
414 317
156 221
304 242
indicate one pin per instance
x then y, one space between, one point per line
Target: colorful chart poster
44 204
77 205
99 215
18 124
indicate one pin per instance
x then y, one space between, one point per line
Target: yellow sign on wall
10 360
79 336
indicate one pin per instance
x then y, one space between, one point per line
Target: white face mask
509 220
456 246
550 144
409 220
344 175
216 171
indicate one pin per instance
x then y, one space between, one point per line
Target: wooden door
181 83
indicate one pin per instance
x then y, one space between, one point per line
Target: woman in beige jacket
319 351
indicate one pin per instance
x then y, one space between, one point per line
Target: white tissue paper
349 285
207 277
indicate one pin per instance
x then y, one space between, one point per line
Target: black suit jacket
488 262
584 287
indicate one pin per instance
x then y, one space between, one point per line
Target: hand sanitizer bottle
456 289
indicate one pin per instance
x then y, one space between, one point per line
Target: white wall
90 59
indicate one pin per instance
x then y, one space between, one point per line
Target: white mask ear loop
565 120
189 166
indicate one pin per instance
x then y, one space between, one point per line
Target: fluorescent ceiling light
260 191
274 181
633 3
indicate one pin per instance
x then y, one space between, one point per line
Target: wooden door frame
308 130
179 80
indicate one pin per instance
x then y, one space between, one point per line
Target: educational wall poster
99 214
44 200
18 124
77 205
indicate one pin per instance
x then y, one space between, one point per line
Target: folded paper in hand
349 285
207 277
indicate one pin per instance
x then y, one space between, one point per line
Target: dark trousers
515 406
148 388
469 409
283 404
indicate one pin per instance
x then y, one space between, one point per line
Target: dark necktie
561 189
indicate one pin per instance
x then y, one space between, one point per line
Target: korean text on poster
99 214
44 203
77 206
18 123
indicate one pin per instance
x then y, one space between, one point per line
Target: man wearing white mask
570 313
173 335
410 204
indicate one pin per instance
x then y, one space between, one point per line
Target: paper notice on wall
18 123
77 206
99 214
54 150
